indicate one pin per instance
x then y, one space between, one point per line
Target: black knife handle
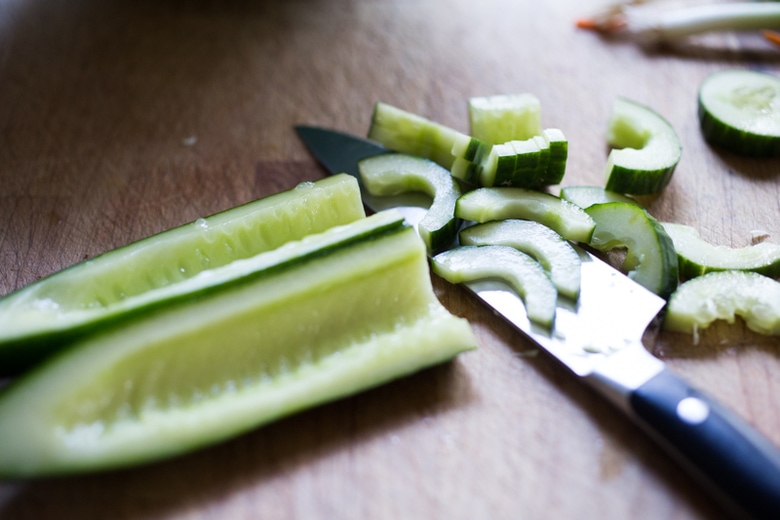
737 463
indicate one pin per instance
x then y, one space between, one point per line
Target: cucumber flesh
45 315
586 196
697 256
306 329
524 274
723 295
486 204
651 260
739 111
395 173
547 247
503 118
646 149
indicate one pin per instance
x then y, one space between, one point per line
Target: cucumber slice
739 111
310 327
504 118
547 247
723 295
697 256
524 274
586 196
651 260
486 204
394 173
44 316
559 154
646 152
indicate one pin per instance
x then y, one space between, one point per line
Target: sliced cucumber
486 204
697 256
547 247
739 111
394 173
651 260
559 154
724 295
314 325
504 118
530 163
42 317
586 196
524 274
646 152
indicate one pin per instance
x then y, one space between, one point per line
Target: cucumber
45 315
646 149
315 324
524 274
723 295
503 118
547 247
586 196
486 204
530 163
651 260
395 173
559 154
697 256
739 111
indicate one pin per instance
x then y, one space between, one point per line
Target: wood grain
121 119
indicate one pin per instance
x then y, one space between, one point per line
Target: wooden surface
124 118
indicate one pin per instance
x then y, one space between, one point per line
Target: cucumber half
315 324
45 315
646 149
395 173
724 295
739 111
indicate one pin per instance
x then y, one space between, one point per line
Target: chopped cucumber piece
739 111
524 274
586 196
530 163
547 247
44 316
651 260
504 118
486 204
723 295
646 152
394 173
559 154
697 256
313 325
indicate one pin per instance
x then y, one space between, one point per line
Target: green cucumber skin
626 180
723 136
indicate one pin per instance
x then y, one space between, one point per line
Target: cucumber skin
723 136
626 180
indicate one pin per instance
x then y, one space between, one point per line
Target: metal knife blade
599 339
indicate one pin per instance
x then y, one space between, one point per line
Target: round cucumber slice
739 111
646 149
586 196
697 256
723 295
651 260
395 173
44 316
524 274
486 204
317 324
547 247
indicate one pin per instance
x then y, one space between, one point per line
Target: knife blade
599 339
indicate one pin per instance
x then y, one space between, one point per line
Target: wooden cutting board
121 119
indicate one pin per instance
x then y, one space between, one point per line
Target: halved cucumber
739 111
503 118
646 152
315 324
651 260
40 318
524 274
546 246
697 256
586 196
486 204
723 295
395 173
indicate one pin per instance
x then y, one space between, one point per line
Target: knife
599 340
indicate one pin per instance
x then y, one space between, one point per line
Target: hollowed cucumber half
396 173
524 274
724 295
329 316
176 264
646 149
